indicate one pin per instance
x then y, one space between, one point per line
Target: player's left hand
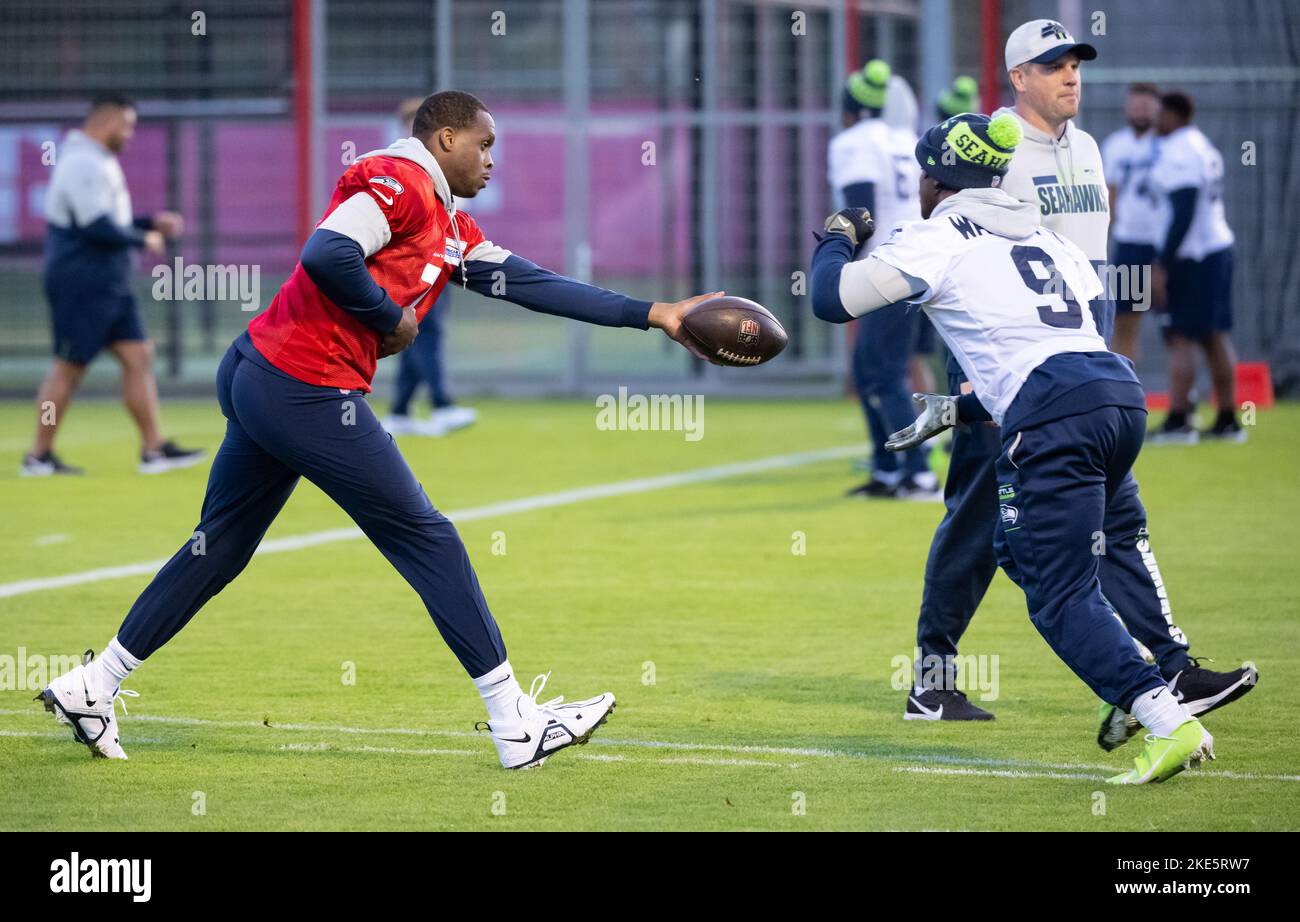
938 412
402 336
667 316
854 223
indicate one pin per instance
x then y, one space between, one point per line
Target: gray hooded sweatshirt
1064 179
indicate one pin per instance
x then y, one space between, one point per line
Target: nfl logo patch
748 332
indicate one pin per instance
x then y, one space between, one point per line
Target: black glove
854 223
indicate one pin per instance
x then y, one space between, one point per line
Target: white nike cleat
544 729
449 419
402 425
89 711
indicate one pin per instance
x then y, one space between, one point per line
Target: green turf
751 644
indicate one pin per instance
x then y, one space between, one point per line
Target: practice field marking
474 513
326 748
955 765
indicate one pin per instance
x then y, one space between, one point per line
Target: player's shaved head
459 131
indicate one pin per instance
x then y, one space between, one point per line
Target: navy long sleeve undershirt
829 259
103 232
337 265
1183 203
529 285
970 410
860 195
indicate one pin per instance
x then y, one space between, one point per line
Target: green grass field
754 683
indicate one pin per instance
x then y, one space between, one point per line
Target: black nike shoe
1202 690
1225 429
47 465
1174 432
873 489
169 457
941 704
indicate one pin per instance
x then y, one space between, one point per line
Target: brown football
735 331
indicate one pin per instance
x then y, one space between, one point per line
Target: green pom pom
965 86
1004 131
876 72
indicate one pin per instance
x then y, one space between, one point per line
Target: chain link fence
662 147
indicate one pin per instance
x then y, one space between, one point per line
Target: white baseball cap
1041 41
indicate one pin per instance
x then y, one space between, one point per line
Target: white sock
110 668
1159 711
500 690
888 478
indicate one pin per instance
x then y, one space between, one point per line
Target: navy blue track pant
1061 490
277 430
882 347
962 560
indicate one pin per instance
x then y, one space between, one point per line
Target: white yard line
492 510
934 763
586 756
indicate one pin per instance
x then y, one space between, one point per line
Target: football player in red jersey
292 391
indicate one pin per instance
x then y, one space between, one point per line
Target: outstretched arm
843 289
497 273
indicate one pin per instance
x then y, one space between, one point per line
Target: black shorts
1200 295
1130 260
85 321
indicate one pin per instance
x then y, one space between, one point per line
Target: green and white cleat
1117 727
1165 756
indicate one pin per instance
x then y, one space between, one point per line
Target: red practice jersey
308 336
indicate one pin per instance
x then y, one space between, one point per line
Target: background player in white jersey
1137 219
1058 169
870 166
1194 273
1009 298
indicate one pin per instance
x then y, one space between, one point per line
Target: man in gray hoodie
1057 167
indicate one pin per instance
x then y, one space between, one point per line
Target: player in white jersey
1057 168
870 165
1136 213
1194 273
1009 297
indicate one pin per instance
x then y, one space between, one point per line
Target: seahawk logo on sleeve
389 182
